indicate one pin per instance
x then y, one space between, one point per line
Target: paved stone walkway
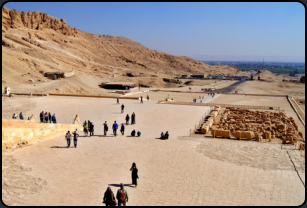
171 172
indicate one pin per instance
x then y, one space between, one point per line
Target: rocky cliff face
34 20
35 42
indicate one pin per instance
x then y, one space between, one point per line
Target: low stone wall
221 105
17 133
95 96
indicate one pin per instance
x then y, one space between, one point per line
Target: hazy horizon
250 30
249 58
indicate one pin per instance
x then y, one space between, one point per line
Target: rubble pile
258 125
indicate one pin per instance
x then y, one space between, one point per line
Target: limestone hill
35 42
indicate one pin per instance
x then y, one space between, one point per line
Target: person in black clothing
76 135
122 129
166 135
105 128
133 133
109 198
127 119
147 97
134 174
41 116
49 115
122 107
132 118
92 129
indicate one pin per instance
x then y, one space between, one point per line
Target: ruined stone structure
258 125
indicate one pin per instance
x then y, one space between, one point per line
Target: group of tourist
20 116
122 195
133 133
164 136
45 117
68 138
88 126
211 93
132 118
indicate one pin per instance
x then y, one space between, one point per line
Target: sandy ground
203 171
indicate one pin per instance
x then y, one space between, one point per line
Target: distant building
197 76
57 75
118 85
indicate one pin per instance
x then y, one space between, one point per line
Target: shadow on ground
118 185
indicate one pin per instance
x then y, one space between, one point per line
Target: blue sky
196 29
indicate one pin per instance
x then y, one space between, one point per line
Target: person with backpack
127 119
115 127
105 128
122 107
122 195
68 137
109 198
134 174
76 135
122 129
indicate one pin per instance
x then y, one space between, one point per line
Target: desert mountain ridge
34 43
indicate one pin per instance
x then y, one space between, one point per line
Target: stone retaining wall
18 133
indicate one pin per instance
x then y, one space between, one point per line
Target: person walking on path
115 127
50 117
109 198
41 116
54 118
141 99
92 129
122 107
133 118
122 195
68 137
85 128
122 129
76 135
105 128
134 174
117 102
127 119
147 97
